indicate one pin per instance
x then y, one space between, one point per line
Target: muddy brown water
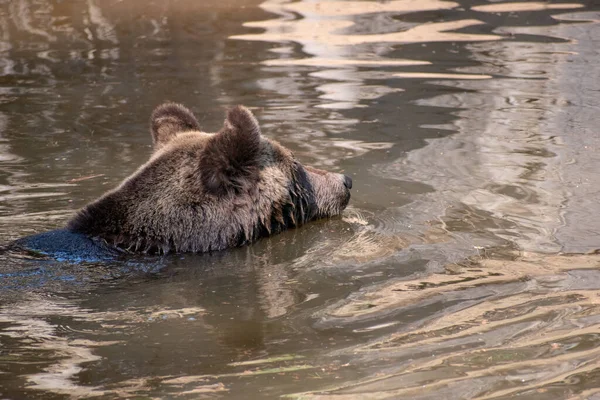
464 267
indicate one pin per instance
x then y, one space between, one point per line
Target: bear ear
230 160
168 120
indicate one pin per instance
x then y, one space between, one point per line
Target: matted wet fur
202 192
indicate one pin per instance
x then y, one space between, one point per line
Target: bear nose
347 181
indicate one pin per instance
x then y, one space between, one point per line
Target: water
465 266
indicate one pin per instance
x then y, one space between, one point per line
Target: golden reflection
414 379
328 32
348 8
339 62
324 32
471 274
537 330
503 159
430 75
525 6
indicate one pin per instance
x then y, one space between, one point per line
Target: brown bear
202 192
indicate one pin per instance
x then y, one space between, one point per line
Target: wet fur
203 192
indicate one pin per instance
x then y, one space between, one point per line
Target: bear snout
348 182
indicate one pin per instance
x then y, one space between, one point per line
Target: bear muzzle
347 182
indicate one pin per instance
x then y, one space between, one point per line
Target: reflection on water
329 34
525 6
465 266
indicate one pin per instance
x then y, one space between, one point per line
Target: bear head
203 192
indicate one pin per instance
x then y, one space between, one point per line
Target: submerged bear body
202 192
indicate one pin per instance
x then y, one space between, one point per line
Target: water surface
464 267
